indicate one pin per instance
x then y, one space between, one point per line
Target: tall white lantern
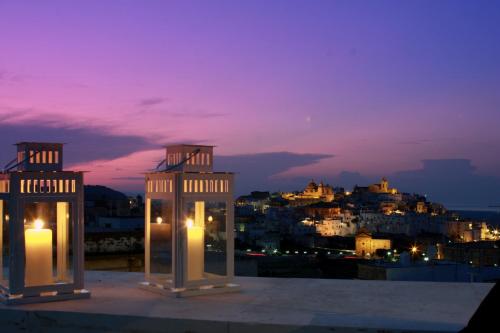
41 227
189 225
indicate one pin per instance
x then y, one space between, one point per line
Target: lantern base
185 292
19 299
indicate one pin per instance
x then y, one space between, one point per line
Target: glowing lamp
41 208
191 251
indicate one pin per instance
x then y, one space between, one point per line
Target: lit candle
160 232
38 242
196 253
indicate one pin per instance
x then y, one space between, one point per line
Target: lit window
32 156
56 157
50 156
44 157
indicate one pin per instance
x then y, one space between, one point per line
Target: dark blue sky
377 86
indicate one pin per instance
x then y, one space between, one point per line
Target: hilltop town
375 222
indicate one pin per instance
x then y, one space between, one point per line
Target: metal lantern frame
19 188
181 188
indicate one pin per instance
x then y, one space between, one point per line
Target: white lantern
41 227
189 225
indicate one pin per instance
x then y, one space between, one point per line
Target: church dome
311 187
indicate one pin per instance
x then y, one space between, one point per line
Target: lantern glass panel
206 239
48 243
4 244
160 228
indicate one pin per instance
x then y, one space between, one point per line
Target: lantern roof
39 143
38 156
187 145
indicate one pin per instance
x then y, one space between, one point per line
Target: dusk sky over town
340 91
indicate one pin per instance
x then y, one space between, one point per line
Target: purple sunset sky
351 90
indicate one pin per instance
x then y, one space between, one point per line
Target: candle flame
38 224
189 223
159 220
210 218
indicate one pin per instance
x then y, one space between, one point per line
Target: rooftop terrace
264 305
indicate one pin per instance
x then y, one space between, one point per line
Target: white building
335 227
409 224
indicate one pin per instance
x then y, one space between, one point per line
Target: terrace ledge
264 305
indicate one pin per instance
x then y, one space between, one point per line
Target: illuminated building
313 193
366 245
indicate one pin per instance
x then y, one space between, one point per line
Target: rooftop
264 305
